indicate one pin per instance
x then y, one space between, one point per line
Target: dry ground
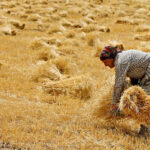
51 79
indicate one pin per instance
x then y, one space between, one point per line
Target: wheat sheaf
135 103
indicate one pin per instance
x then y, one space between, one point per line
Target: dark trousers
134 81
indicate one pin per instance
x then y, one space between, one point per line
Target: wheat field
54 91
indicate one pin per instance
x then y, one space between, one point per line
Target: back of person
133 62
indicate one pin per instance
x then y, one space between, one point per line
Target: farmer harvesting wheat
133 64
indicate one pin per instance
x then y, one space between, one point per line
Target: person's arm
120 76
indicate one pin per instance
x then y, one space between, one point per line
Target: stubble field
52 82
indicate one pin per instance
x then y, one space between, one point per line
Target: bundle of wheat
70 34
116 43
29 11
55 29
79 87
138 21
74 11
135 103
102 12
100 45
142 37
47 53
66 23
143 28
67 49
46 72
63 13
37 44
145 46
142 11
122 123
121 13
78 24
45 2
139 16
103 110
34 17
89 28
103 104
50 41
17 24
63 64
23 15
87 20
103 29
93 27
127 20
91 16
92 38
7 30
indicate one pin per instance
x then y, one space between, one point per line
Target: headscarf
108 52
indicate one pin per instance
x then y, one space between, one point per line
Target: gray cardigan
130 63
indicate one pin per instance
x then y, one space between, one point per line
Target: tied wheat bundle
108 120
79 86
17 24
135 103
38 43
142 37
117 43
125 122
46 71
126 20
7 30
103 104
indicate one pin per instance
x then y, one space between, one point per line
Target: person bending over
134 64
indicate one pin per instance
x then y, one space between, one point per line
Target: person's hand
114 110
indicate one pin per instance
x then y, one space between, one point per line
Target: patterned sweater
131 63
